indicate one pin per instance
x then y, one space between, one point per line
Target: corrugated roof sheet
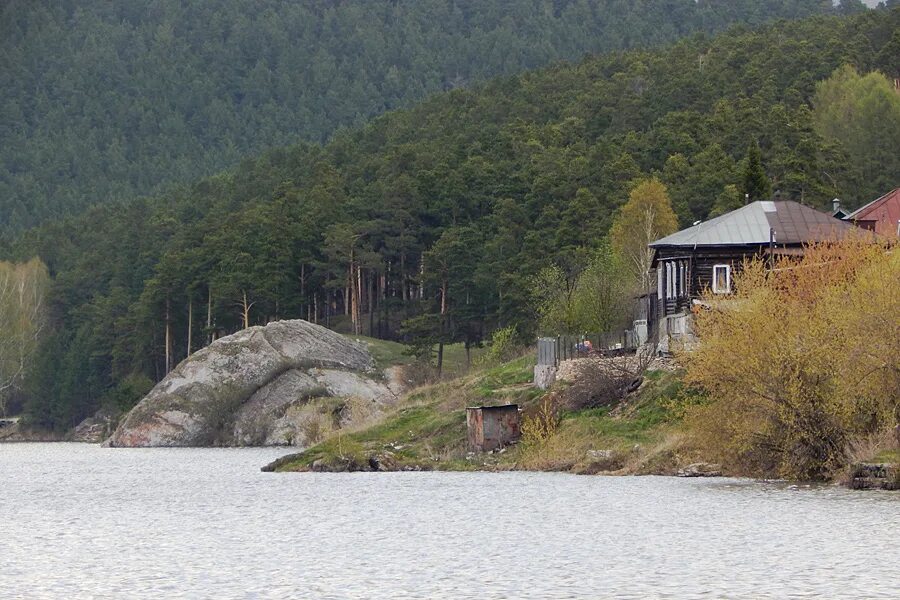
749 225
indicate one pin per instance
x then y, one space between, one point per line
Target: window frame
660 275
715 279
670 282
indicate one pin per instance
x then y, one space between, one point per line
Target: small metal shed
492 427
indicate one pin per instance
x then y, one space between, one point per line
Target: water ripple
79 521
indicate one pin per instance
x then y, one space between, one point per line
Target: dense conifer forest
105 100
431 223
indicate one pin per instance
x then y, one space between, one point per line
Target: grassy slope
387 354
641 435
427 430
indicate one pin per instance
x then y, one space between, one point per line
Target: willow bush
800 362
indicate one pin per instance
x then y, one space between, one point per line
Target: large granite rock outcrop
243 389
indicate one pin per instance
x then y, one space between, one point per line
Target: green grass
385 352
888 456
388 354
494 380
428 429
413 435
637 423
455 362
636 436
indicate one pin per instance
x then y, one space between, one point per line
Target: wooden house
706 255
881 215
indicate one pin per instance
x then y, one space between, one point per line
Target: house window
674 275
659 282
670 281
721 283
682 278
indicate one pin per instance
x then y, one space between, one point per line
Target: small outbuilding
492 427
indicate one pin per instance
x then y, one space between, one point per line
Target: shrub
541 424
799 361
504 345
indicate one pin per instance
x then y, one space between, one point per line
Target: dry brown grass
675 450
868 447
314 423
562 451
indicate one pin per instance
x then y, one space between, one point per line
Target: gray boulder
701 469
240 389
92 430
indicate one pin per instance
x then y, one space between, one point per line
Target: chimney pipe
836 204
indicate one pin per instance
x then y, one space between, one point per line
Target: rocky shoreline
17 433
874 476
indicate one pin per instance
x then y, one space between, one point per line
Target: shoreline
863 476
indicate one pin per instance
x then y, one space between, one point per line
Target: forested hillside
104 100
453 205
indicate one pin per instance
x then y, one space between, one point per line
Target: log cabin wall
698 265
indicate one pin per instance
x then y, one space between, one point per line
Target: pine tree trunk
348 289
383 317
304 303
209 330
168 340
190 324
357 307
403 278
421 276
370 282
328 309
352 303
443 325
245 309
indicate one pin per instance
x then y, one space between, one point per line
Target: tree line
104 100
431 224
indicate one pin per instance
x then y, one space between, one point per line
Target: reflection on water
79 521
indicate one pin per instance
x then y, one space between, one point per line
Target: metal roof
749 226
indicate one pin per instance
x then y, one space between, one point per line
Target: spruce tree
756 184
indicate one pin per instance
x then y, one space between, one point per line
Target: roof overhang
680 251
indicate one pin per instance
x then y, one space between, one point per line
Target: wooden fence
554 350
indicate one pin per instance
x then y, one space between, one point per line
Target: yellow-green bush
799 362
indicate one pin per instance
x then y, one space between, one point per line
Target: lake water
78 521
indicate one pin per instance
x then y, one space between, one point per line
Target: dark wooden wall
700 263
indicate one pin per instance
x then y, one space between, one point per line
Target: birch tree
23 289
646 217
